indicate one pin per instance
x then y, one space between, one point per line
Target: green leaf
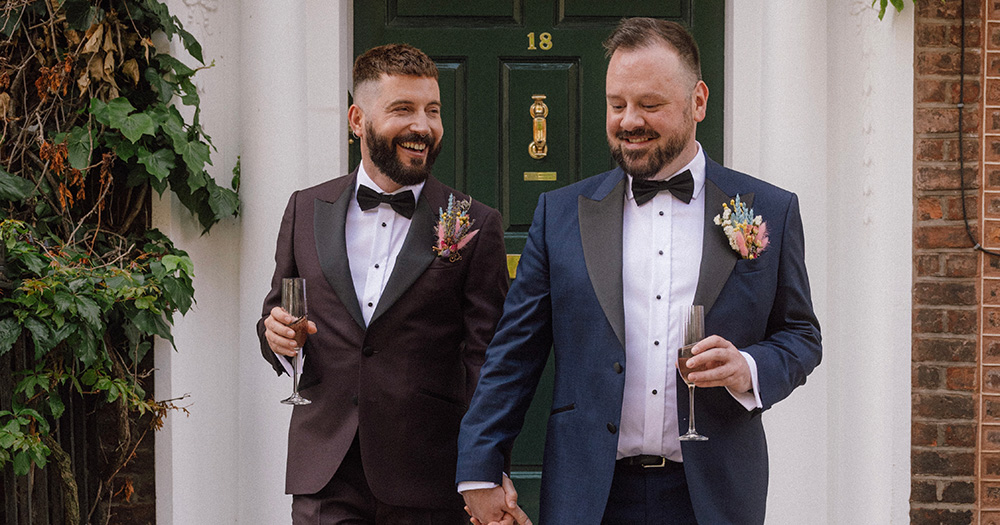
90 311
80 142
89 377
224 202
169 62
80 15
14 188
153 324
22 463
11 20
86 347
9 332
159 84
159 163
181 294
144 303
116 282
137 125
196 179
195 154
64 301
191 44
113 113
56 406
898 4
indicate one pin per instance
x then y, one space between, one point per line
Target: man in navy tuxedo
610 266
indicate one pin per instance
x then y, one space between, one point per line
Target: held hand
279 335
495 506
717 362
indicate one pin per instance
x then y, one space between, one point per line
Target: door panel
525 177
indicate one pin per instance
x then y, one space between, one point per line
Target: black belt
648 461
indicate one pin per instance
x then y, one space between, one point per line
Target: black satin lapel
329 219
414 257
601 234
717 257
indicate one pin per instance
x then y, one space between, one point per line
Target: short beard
383 154
647 165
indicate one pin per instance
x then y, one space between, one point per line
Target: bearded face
384 153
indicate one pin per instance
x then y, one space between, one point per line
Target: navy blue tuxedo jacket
567 297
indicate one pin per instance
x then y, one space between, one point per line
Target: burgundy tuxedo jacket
403 383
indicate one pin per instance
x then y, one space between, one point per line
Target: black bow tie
403 203
681 185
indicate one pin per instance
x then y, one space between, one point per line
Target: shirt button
661 214
654 392
371 304
656 343
383 224
377 264
657 297
661 252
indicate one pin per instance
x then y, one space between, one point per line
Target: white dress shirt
662 248
374 238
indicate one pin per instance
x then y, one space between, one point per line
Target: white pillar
823 108
197 454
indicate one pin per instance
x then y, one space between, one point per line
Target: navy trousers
650 496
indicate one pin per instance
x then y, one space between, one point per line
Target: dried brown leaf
109 65
4 105
95 67
94 41
83 83
131 70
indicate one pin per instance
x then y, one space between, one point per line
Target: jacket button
618 368
612 428
354 399
367 351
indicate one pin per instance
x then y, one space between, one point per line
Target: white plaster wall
823 108
819 101
198 452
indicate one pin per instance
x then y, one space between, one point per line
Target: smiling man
398 324
610 265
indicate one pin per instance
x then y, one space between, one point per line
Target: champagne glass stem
691 429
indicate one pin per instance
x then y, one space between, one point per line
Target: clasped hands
495 506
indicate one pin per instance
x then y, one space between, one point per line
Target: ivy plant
89 127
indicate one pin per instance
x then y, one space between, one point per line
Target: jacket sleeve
284 266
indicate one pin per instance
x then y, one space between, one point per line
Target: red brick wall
946 466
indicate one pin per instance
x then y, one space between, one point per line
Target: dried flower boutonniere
453 229
747 233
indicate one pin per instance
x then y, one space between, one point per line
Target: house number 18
544 41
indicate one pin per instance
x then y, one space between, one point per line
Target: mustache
637 133
427 140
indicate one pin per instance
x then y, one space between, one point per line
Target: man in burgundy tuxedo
400 312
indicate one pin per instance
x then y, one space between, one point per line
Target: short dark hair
392 59
633 33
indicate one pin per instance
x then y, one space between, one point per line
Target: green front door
497 59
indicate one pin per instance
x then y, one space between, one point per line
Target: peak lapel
717 257
601 235
329 219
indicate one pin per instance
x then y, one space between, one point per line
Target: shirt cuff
750 400
475 485
287 364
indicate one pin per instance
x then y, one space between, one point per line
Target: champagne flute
694 331
293 301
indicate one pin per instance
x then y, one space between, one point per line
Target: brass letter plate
534 176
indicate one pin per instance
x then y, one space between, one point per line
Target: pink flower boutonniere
747 233
453 229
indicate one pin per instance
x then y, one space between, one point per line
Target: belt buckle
663 463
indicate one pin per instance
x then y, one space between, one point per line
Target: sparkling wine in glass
293 301
694 331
